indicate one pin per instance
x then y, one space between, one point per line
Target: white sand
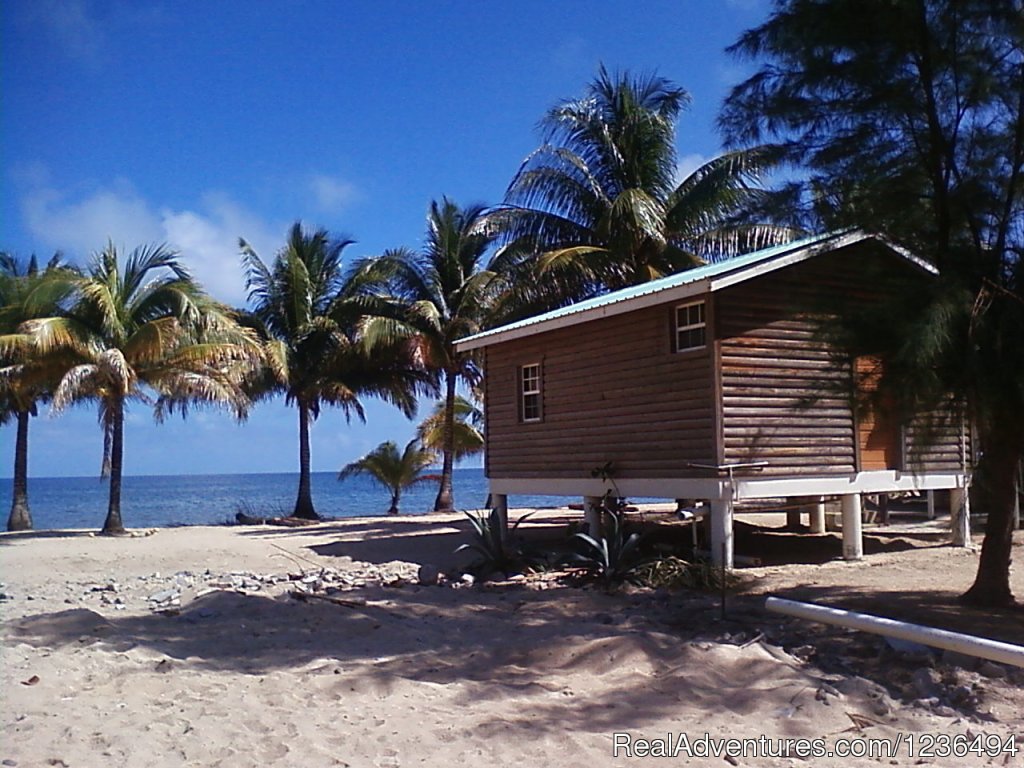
432 676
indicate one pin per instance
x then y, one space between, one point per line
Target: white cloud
687 164
72 26
331 194
208 242
206 237
83 226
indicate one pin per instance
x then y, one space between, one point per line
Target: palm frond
80 382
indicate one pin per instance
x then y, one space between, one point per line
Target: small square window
530 392
691 326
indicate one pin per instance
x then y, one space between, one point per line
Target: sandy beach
187 646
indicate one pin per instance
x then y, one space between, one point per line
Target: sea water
168 500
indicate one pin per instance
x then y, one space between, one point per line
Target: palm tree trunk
21 518
395 498
996 475
113 525
445 497
304 501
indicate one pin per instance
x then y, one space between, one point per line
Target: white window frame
535 392
685 329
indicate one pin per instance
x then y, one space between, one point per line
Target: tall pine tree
907 117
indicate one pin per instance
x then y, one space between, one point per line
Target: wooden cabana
714 384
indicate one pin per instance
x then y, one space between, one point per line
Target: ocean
160 501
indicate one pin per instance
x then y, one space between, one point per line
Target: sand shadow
510 641
941 609
10 537
423 542
492 643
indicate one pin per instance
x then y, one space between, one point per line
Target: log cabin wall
942 443
784 398
765 387
612 391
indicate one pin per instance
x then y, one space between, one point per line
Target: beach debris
358 602
825 691
243 519
926 683
290 522
165 596
860 722
31 681
875 694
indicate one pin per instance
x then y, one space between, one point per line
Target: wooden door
878 430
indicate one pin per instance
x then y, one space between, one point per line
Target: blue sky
195 123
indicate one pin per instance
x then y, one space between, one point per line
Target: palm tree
147 329
322 346
467 441
444 293
26 378
393 470
599 205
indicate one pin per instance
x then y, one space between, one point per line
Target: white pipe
993 650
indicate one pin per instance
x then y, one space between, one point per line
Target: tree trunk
304 501
996 475
113 526
21 517
395 498
445 497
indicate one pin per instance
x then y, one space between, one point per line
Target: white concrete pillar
499 503
853 540
592 515
818 514
721 532
960 516
930 495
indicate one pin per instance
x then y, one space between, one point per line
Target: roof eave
689 290
497 336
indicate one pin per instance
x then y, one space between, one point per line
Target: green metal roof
748 263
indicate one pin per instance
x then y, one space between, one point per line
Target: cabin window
529 388
691 327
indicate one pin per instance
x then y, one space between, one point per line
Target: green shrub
675 573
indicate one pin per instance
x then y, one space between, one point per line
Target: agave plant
613 558
497 551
